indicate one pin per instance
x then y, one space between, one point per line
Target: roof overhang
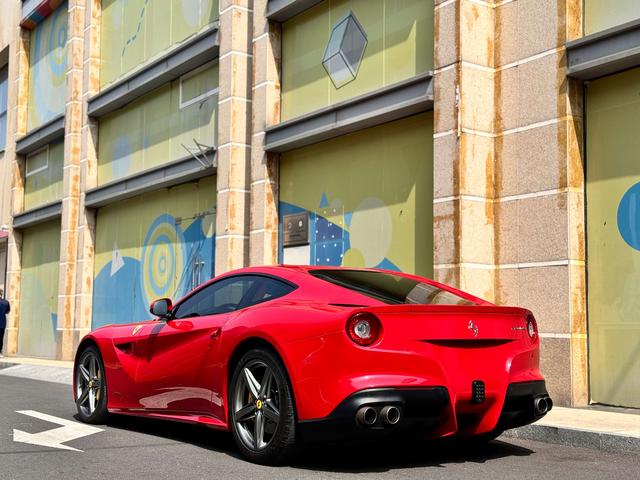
38 215
186 169
41 136
196 51
283 10
387 104
604 53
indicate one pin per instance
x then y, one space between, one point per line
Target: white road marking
56 437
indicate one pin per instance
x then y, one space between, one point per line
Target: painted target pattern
48 68
162 259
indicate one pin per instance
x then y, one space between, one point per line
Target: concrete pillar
263 239
19 86
70 224
508 177
540 244
464 139
234 135
88 172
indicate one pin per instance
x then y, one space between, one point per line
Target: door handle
215 334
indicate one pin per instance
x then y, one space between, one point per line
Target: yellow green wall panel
613 238
47 68
151 130
159 244
136 31
43 180
602 14
369 194
39 290
399 46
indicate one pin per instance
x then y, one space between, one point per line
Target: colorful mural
399 45
160 244
135 31
48 68
152 130
613 238
369 196
43 179
598 14
38 14
39 290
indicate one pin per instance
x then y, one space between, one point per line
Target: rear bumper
425 412
421 409
519 404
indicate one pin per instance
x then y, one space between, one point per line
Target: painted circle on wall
195 12
162 259
121 156
58 42
371 230
629 216
49 67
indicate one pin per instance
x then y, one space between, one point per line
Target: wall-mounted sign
295 229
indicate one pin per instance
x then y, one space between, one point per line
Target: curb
606 442
35 361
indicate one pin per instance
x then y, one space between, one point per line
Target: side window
231 294
264 289
221 297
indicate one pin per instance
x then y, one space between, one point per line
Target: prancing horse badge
472 327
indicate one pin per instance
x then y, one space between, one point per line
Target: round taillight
532 329
364 328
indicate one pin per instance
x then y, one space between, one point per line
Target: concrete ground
139 449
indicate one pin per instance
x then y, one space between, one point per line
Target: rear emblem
472 328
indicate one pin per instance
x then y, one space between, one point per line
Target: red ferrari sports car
282 354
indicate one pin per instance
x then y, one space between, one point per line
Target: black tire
281 444
97 415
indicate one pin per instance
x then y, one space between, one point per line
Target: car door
177 357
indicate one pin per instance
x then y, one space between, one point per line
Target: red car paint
179 369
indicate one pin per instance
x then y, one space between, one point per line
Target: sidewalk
611 431
37 369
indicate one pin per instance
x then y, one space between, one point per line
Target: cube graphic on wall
345 51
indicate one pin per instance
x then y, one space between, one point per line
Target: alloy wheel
256 405
88 384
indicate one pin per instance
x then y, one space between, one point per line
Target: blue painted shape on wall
54 323
324 202
629 217
121 298
387 264
117 298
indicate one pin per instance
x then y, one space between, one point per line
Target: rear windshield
390 289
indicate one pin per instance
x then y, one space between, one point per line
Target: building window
37 161
4 88
345 50
198 85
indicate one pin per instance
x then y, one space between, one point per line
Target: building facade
490 145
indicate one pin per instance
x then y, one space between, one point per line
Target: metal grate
477 391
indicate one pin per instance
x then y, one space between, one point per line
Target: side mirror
161 308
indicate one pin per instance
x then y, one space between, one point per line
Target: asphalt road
138 449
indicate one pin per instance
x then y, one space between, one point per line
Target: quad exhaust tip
366 416
389 415
542 405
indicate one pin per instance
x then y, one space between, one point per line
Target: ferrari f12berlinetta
282 354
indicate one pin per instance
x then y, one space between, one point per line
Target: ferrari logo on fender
136 329
472 327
